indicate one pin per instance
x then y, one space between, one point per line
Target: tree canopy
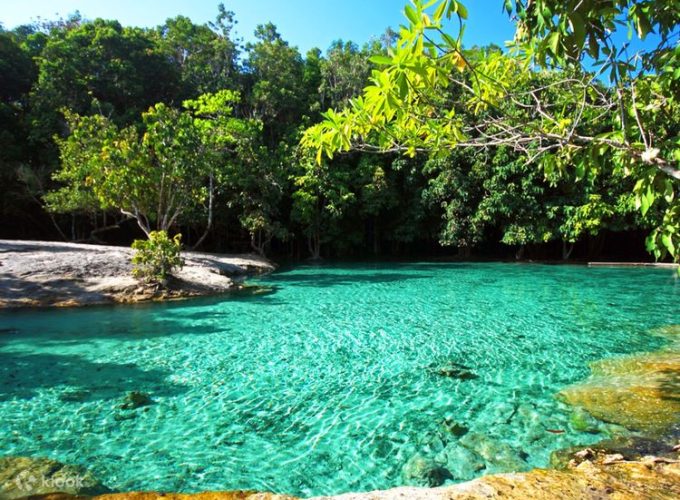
411 143
563 95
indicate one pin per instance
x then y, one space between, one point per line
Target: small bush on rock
157 257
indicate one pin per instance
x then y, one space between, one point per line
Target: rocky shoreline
53 274
589 474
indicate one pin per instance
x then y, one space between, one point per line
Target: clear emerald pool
325 385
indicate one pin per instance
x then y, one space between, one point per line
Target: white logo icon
26 481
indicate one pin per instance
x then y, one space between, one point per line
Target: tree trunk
258 243
211 197
567 248
376 239
314 245
144 227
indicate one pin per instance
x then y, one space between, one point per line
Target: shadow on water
129 322
23 375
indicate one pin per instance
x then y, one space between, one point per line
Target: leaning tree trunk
567 249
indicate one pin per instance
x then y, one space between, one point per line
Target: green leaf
646 200
643 26
462 11
439 13
381 60
667 241
554 42
411 14
578 28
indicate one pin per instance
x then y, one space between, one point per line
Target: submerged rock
432 443
498 456
454 370
639 392
253 290
23 476
581 421
424 472
136 399
453 427
463 463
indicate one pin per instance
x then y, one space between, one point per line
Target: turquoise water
329 383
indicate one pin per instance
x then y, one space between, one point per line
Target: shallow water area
340 378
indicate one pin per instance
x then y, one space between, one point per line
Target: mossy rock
498 456
463 463
22 477
637 392
422 471
454 428
136 399
581 421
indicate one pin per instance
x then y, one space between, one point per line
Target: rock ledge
53 274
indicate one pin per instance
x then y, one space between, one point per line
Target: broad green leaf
381 60
411 14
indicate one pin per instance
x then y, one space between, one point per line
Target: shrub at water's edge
157 257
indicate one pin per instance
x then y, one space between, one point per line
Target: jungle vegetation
412 144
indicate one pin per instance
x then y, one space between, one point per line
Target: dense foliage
542 149
564 95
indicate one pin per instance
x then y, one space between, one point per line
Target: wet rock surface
40 274
592 478
640 392
22 477
424 471
631 448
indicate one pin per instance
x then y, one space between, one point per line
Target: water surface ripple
332 382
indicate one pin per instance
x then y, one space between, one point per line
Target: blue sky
304 23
